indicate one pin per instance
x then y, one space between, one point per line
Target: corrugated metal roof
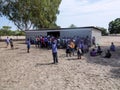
43 29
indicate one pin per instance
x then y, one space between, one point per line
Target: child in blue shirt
54 52
112 47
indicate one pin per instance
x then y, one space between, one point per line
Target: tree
114 26
5 30
104 30
27 14
72 26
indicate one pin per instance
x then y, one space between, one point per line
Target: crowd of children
76 44
72 45
98 51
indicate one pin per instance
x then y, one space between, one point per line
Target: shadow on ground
115 73
114 62
43 64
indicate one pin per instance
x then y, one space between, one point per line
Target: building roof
65 28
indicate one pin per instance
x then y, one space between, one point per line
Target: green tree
5 30
27 14
114 26
72 26
104 31
19 33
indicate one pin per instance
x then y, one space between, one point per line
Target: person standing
94 41
7 41
28 45
79 53
72 47
11 43
54 52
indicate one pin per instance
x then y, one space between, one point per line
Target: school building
90 31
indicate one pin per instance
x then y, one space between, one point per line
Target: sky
82 13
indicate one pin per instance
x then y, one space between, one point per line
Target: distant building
90 31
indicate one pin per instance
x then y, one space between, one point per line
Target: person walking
54 52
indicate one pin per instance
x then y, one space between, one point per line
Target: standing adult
54 52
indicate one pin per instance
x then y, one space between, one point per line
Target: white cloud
88 12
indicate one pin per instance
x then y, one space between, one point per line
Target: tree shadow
62 56
73 58
23 52
115 73
114 61
43 64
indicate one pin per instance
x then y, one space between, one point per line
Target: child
99 51
68 50
108 54
93 52
112 47
79 53
7 41
11 43
28 45
54 52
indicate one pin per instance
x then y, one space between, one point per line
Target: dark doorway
55 34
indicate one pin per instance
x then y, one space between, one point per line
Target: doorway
55 34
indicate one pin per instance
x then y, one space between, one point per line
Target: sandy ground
34 71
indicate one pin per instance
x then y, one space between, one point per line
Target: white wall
97 35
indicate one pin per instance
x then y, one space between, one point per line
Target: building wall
33 34
82 32
97 35
63 33
75 32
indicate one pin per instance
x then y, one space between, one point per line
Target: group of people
72 45
99 51
54 49
9 41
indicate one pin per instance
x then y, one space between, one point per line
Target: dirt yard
34 71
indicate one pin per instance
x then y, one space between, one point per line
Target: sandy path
34 71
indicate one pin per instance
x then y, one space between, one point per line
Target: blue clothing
54 52
112 48
54 48
28 43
